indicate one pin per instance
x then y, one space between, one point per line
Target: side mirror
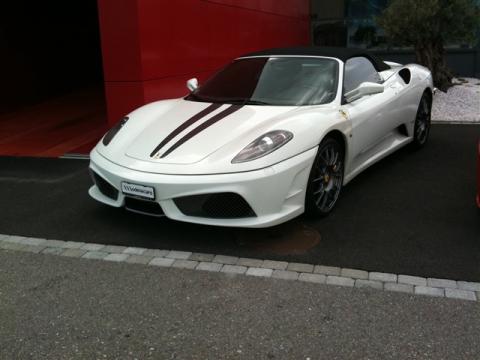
366 88
192 84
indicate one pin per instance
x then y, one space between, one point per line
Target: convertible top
340 53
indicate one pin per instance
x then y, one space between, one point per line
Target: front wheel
326 179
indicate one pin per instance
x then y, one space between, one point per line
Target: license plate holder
138 191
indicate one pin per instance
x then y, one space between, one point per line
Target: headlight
113 131
264 145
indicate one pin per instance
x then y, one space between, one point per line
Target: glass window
292 81
358 70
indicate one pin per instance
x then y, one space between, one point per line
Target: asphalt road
413 213
53 307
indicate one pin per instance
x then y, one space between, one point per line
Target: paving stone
305 268
156 252
72 245
275 265
327 270
11 246
398 287
227 260
33 241
116 257
139 259
412 280
467 285
92 247
201 257
98 255
209 266
430 291
160 261
248 262
15 239
234 269
53 250
178 255
254 271
74 252
460 294
354 273
360 283
441 283
315 278
33 248
54 243
138 251
340 281
384 277
285 274
114 249
185 264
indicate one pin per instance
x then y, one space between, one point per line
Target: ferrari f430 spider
272 135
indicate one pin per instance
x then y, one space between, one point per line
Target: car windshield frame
252 91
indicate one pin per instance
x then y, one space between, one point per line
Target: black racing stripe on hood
185 125
228 111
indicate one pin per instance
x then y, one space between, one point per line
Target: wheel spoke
325 198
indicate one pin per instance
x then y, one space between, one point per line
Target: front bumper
276 194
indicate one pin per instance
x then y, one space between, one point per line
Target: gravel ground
461 103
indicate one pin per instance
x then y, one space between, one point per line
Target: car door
372 116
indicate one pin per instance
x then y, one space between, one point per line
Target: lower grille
219 206
143 207
104 186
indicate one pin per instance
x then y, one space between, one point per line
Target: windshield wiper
245 101
255 102
193 96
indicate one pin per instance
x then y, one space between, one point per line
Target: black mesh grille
143 206
219 206
104 187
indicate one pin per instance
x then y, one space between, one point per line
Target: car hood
191 131
186 137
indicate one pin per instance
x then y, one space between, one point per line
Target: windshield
272 81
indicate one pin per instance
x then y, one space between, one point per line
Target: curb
319 274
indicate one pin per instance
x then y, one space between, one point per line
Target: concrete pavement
59 307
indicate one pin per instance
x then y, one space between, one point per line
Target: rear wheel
326 178
422 122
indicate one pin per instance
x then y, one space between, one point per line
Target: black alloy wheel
422 121
326 178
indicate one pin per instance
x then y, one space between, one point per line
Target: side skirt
383 149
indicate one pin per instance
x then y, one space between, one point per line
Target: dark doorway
52 68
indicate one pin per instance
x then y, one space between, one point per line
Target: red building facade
150 48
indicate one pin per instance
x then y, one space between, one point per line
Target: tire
421 129
326 179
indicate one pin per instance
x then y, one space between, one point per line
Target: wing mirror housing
365 88
192 84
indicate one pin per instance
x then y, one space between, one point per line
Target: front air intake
218 206
104 186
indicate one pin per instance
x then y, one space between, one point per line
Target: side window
358 70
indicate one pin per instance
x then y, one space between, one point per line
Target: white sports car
272 135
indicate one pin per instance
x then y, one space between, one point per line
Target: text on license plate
138 190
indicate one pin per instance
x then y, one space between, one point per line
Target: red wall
151 47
